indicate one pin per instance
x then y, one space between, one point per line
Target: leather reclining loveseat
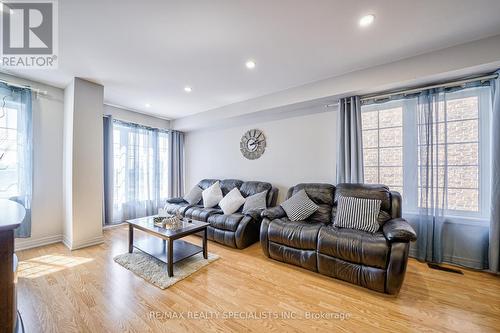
236 230
376 261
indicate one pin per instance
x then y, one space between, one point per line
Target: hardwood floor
86 291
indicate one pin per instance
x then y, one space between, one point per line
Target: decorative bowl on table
170 222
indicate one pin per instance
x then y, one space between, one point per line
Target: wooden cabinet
11 216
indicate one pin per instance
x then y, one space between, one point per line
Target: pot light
366 20
250 64
188 89
147 105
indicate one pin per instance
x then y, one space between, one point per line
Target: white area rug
155 271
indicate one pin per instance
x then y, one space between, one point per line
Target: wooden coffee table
165 244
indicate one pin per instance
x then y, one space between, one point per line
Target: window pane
391 137
391 156
463 177
430 197
463 199
371 175
431 177
370 138
462 131
10 171
463 154
391 117
391 176
369 120
370 156
462 108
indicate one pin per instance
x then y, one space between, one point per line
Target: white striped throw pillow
299 206
358 213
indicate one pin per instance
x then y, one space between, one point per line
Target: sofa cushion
206 183
255 202
296 234
212 195
225 222
232 202
299 207
252 187
200 213
358 213
354 246
227 185
323 195
194 196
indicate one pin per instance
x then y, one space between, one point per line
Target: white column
83 164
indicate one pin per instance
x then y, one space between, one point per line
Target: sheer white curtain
434 147
16 151
136 171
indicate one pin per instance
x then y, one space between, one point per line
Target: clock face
253 144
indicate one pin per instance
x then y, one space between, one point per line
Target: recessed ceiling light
250 64
188 89
147 105
366 20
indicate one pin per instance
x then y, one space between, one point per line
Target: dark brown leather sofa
237 230
375 261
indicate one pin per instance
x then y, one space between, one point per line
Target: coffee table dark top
187 228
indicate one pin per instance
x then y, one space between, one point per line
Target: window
9 170
140 170
16 150
392 154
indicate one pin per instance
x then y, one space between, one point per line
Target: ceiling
146 52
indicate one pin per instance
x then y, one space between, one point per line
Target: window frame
410 153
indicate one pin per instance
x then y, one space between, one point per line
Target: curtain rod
135 124
441 85
12 84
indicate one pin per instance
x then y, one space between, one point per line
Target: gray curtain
16 172
108 170
350 144
494 244
176 164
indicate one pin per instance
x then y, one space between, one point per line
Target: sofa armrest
399 230
176 200
273 213
255 214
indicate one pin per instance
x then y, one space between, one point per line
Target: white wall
299 149
135 117
46 226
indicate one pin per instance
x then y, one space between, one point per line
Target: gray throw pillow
194 196
299 206
256 201
358 213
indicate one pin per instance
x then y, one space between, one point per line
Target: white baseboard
29 243
80 245
113 226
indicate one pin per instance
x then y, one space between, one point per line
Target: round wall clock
253 144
